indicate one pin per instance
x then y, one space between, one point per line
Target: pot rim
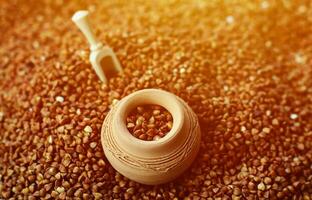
147 96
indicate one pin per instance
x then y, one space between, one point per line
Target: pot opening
149 122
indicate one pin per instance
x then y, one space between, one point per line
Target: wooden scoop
102 58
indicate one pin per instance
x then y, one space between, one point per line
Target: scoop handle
80 18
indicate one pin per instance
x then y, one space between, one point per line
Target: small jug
151 162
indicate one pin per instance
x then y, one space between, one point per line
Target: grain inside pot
243 66
149 122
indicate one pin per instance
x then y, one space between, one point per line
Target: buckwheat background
245 67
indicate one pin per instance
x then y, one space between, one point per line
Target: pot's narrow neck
143 148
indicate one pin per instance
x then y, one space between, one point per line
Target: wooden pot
151 162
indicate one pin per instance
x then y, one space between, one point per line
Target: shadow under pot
156 161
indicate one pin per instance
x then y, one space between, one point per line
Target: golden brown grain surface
245 68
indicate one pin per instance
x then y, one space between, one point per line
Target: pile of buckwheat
244 67
149 122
